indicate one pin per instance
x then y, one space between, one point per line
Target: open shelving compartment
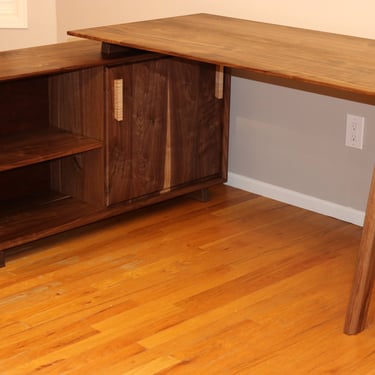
51 154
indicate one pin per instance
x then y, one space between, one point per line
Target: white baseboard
296 199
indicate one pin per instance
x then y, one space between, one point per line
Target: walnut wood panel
39 146
171 134
76 102
80 176
54 213
136 145
33 219
77 105
56 58
325 59
226 119
196 122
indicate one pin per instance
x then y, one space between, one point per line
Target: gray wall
296 140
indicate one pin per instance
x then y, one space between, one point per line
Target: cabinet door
136 143
196 120
168 133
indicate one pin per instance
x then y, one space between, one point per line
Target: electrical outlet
354 131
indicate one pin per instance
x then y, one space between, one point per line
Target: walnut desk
326 63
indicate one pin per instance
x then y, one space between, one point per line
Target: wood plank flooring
237 285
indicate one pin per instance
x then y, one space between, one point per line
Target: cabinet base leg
202 195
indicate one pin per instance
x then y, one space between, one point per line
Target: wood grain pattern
172 132
57 58
237 285
39 146
49 59
135 146
76 105
50 215
197 122
323 59
44 215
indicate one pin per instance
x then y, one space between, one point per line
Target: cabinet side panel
78 176
225 119
210 123
77 102
77 105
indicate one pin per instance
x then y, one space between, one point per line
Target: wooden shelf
38 146
40 217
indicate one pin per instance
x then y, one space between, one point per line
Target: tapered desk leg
365 272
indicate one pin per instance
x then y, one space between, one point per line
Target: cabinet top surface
325 59
53 58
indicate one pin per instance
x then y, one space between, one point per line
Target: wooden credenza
84 138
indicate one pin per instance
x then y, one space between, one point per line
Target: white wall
277 147
80 13
354 17
41 29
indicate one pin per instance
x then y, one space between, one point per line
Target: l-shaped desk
326 63
77 145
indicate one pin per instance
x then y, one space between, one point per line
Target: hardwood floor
238 285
